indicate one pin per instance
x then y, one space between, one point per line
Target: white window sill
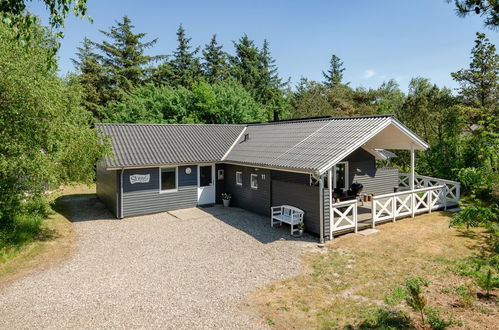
169 191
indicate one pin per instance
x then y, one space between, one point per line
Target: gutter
121 193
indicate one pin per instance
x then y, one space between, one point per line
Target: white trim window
254 181
168 179
239 178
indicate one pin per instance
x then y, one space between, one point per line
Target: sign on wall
140 178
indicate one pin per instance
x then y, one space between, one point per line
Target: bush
387 320
436 321
415 298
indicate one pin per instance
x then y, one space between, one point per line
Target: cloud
369 74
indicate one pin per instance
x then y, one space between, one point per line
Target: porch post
321 209
411 182
330 188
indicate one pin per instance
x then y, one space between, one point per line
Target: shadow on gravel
82 207
255 225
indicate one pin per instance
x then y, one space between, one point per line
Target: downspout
121 193
321 209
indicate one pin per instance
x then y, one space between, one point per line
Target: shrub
415 298
436 321
466 295
387 320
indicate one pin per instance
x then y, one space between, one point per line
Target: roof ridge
322 118
158 124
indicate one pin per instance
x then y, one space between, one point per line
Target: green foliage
435 321
487 280
479 83
215 66
223 102
395 296
489 9
415 298
14 14
334 75
185 67
45 138
466 295
387 320
474 215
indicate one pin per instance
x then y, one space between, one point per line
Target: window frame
167 191
345 163
239 183
251 181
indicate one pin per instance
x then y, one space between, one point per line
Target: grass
36 246
358 282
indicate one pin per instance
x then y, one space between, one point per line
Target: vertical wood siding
145 198
107 188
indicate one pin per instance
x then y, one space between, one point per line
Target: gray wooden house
310 164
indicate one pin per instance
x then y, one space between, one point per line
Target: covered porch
416 194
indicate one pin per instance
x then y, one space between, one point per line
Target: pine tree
271 85
123 56
215 61
91 77
185 65
334 75
479 84
246 64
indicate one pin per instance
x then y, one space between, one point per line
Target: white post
331 214
411 179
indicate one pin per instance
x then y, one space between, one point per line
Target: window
239 178
340 175
254 181
168 179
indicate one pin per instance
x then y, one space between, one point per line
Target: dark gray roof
312 145
305 145
136 145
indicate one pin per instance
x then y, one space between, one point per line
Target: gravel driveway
190 268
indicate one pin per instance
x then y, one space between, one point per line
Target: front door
206 184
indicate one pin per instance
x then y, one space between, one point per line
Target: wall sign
140 178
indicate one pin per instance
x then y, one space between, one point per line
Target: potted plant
301 226
226 199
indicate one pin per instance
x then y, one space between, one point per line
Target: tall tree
215 61
489 9
479 84
123 56
92 78
334 75
45 137
185 65
246 64
270 91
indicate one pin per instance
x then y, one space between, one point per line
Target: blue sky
377 40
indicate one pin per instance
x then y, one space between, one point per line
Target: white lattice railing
452 188
343 216
407 203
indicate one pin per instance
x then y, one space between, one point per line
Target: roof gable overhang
390 135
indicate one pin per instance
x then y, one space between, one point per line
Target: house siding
304 197
362 169
145 198
107 188
255 200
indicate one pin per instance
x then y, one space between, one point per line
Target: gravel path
184 269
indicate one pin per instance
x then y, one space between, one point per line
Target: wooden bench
287 214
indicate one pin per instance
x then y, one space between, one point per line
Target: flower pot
299 233
226 202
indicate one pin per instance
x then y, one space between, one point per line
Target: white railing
407 203
453 188
343 216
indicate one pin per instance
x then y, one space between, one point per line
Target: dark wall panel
304 197
255 200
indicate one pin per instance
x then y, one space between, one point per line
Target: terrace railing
452 188
407 203
343 216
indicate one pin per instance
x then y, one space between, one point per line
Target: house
162 167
